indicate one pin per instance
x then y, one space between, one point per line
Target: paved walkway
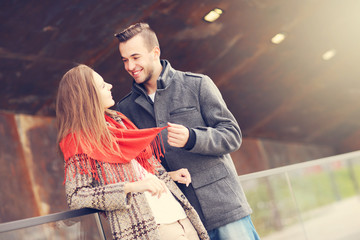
338 221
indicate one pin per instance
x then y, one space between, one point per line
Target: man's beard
148 77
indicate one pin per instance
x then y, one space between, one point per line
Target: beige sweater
129 215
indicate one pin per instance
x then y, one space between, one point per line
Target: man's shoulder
176 73
189 74
127 97
124 101
195 75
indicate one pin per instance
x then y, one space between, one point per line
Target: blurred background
287 69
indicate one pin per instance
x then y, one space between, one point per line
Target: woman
113 166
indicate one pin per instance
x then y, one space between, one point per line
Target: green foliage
276 206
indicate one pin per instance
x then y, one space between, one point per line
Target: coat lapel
144 103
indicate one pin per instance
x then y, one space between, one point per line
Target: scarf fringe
115 172
108 172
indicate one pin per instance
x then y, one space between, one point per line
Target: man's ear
157 52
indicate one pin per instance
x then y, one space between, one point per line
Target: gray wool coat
194 101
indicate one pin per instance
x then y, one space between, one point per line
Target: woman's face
104 90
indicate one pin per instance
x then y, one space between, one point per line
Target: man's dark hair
144 30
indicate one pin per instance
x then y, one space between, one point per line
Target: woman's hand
181 176
150 183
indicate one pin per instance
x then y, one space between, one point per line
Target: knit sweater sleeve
83 191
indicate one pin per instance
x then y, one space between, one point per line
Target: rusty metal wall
31 173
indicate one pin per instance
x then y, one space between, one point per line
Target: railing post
100 226
352 174
296 204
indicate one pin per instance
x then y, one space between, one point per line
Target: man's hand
178 135
181 176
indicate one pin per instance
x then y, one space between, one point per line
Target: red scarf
134 143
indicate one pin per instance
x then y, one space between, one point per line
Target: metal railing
52 218
278 196
288 202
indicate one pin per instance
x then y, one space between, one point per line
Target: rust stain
12 159
24 124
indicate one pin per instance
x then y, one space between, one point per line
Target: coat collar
164 80
166 75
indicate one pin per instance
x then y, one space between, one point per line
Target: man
201 133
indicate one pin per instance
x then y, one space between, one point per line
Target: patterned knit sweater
129 215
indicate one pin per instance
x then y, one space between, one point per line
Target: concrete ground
338 221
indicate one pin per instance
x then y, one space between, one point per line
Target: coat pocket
215 193
182 110
209 176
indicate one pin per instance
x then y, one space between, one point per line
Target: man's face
138 60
